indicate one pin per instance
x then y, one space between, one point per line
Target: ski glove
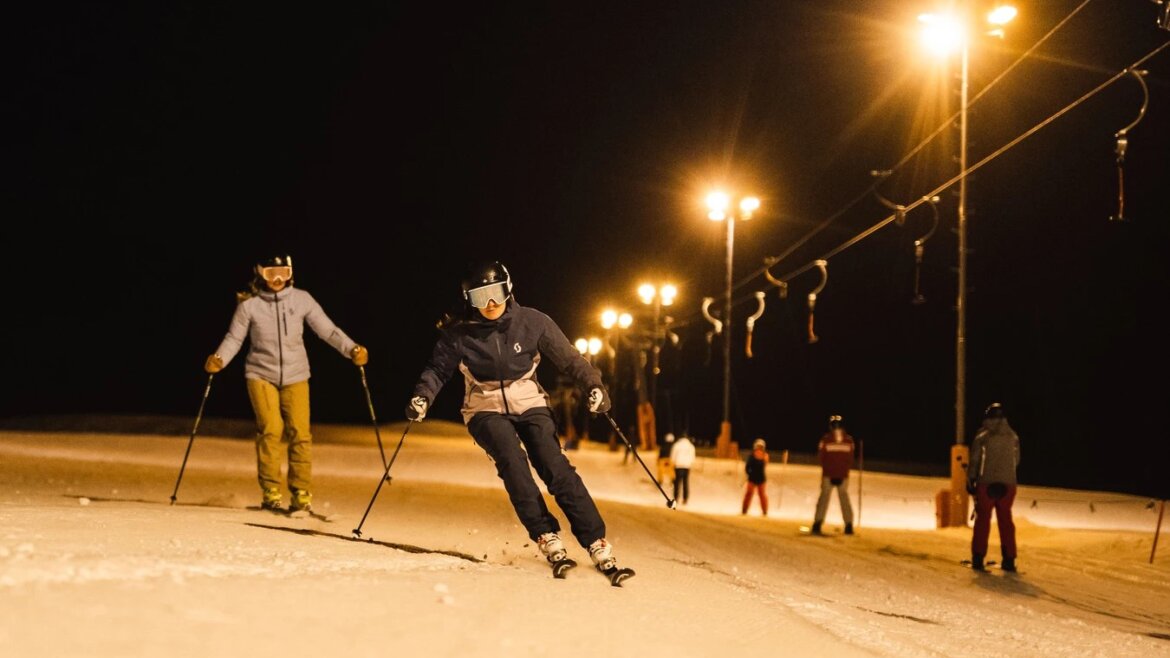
599 402
213 364
417 409
360 355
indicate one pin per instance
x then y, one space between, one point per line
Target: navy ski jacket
499 358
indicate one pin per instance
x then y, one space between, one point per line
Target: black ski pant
682 482
512 442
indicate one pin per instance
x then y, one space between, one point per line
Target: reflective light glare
582 345
941 34
608 318
1001 15
625 320
716 216
594 346
749 204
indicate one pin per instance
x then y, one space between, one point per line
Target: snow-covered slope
95 561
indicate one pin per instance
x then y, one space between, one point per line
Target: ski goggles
493 292
283 273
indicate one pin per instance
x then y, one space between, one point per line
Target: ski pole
373 418
1157 531
630 447
198 417
357 532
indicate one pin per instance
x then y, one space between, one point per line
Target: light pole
944 34
610 319
658 296
719 202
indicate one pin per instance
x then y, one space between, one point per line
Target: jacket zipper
280 341
499 364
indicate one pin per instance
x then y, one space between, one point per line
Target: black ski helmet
486 273
836 422
993 410
277 260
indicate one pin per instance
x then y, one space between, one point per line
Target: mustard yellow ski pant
282 427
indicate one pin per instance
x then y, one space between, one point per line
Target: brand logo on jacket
517 348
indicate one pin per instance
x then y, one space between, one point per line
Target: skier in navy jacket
497 345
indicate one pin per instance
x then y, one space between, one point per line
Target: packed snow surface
95 561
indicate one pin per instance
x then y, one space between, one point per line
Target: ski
297 514
310 514
562 566
617 576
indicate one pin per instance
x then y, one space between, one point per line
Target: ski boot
977 562
848 528
816 528
602 555
1008 564
554 551
301 504
551 547
272 501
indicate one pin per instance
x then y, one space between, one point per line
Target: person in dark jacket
755 467
271 315
497 345
991 479
835 453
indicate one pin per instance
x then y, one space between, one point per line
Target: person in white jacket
682 455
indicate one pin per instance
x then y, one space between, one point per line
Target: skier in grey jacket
272 316
497 345
991 478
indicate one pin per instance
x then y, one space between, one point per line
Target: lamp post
944 34
610 319
658 296
719 202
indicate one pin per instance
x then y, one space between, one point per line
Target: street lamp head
609 317
667 292
582 345
717 202
646 293
942 34
625 320
748 205
594 346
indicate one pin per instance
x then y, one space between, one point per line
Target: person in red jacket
836 456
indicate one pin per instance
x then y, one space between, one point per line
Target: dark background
155 151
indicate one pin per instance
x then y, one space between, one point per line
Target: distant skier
497 345
835 453
272 315
991 478
682 456
755 467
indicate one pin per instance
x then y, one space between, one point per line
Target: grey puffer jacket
499 358
995 453
274 324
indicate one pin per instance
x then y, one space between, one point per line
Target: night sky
155 151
